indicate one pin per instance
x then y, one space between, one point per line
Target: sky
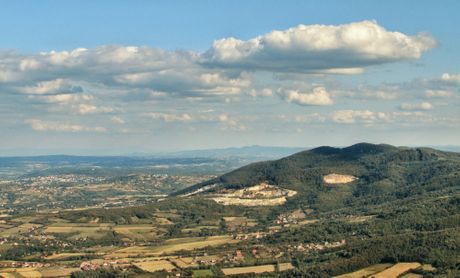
118 77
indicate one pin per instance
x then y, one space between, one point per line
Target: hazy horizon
107 152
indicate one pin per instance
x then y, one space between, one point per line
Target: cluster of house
206 260
95 266
14 264
293 217
284 219
45 180
256 235
5 240
316 246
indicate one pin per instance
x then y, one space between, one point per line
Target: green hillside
385 172
404 206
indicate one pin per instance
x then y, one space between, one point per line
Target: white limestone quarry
262 194
338 178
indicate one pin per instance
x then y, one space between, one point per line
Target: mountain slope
382 171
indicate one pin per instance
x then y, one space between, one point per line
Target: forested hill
382 171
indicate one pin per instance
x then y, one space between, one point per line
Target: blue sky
113 77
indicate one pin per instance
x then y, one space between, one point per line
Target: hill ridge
305 170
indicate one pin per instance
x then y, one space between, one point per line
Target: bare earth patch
262 194
338 178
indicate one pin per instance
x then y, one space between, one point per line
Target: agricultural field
366 272
136 232
31 272
20 229
238 223
248 269
174 245
396 270
411 275
79 230
152 266
65 256
385 271
202 273
285 266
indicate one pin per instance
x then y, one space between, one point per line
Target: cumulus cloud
438 94
352 116
345 48
109 79
319 96
77 103
40 125
169 117
230 123
85 108
63 98
117 120
307 118
266 92
174 72
451 78
57 86
226 121
416 106
222 70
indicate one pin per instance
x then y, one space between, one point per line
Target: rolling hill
327 211
378 173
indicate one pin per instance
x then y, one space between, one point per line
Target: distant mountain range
247 151
212 161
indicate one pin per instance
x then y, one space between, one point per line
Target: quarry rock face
262 194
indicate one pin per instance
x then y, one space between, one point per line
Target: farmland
152 266
174 245
248 269
396 270
343 231
365 272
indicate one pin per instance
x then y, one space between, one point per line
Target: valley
361 211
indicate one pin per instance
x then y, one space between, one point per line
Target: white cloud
173 72
226 121
451 78
168 117
416 106
63 98
57 86
85 108
438 94
230 123
40 125
117 120
338 48
352 116
319 96
226 69
385 95
315 117
266 92
29 64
